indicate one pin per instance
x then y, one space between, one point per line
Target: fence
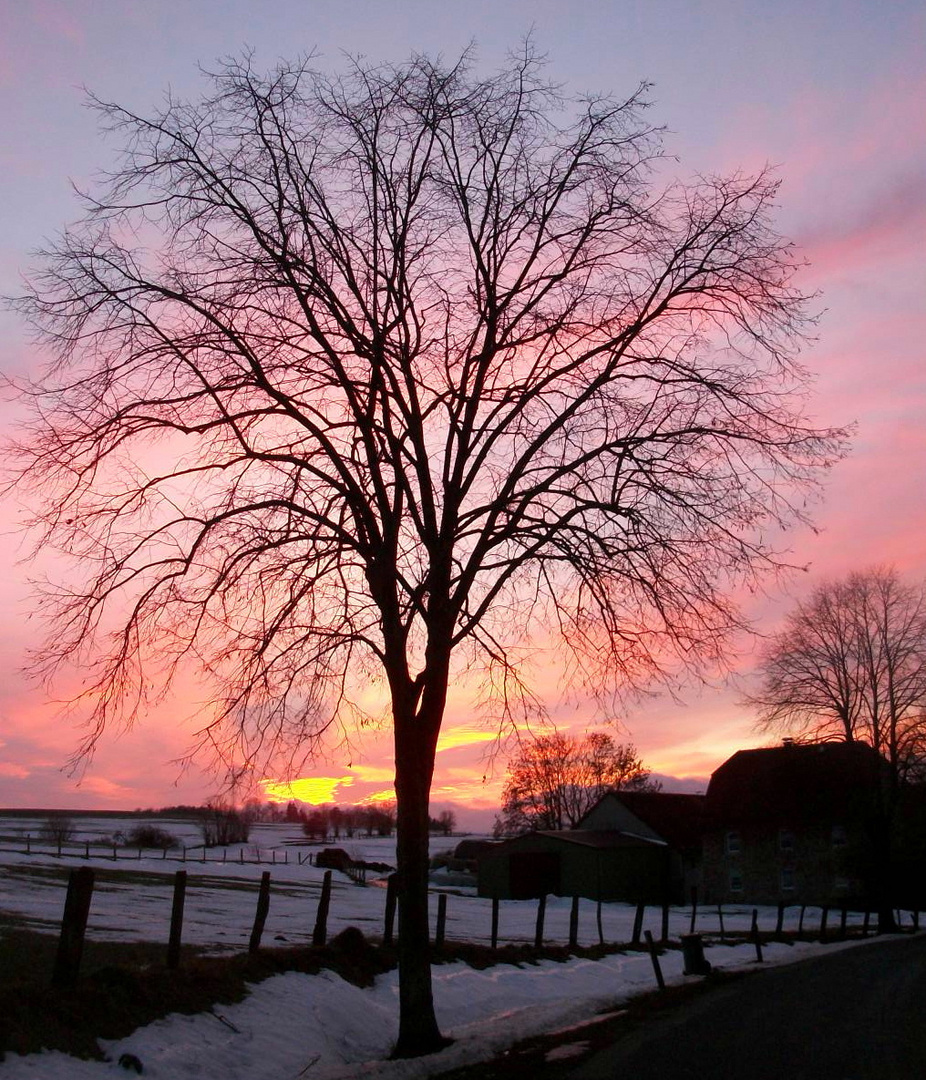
81 885
198 853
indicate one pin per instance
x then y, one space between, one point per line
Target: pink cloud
57 18
16 772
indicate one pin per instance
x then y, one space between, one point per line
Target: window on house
787 879
733 843
839 838
785 840
736 882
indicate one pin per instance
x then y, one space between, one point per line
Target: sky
831 93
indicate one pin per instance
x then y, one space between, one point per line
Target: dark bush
151 836
333 858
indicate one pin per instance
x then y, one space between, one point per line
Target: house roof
676 817
794 783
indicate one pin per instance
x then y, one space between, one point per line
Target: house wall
807 869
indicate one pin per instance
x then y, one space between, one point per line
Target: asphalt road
857 1014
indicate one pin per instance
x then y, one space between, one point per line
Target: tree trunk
415 746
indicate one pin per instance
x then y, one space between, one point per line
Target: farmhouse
791 823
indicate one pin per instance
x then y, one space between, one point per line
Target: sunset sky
832 93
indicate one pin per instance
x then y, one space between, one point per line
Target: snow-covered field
319 1026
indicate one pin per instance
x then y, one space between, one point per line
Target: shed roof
590 838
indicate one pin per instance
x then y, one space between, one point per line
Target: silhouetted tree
403 373
555 779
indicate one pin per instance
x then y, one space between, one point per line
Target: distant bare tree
223 825
850 664
556 779
403 375
57 829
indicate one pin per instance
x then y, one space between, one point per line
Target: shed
599 865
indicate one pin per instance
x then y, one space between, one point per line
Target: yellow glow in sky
452 737
314 790
380 796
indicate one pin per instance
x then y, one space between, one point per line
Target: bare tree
404 375
850 664
556 779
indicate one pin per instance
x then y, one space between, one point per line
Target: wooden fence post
823 916
600 928
541 914
73 927
176 920
800 921
86 849
574 923
664 925
694 909
320 933
494 922
866 923
654 956
754 934
638 923
441 919
780 920
391 895
843 915
260 917
720 920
